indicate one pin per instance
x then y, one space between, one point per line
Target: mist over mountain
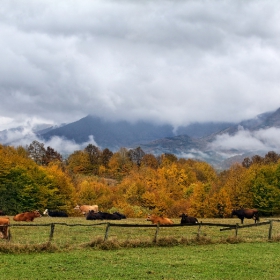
232 144
113 135
219 144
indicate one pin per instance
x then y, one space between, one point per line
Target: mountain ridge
195 140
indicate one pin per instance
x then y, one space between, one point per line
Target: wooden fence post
9 234
107 231
199 227
52 232
157 230
236 230
270 230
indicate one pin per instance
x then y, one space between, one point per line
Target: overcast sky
168 61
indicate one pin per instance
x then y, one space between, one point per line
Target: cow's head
37 213
149 218
77 207
233 212
46 212
183 215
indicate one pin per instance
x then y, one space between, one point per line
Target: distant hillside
113 135
196 140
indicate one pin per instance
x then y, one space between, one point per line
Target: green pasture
77 232
257 260
78 250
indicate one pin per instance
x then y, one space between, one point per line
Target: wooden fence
223 227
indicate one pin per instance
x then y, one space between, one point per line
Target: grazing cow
27 216
159 220
246 213
122 216
86 208
4 227
55 213
188 220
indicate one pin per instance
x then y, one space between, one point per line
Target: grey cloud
168 61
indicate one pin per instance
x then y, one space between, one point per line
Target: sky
174 62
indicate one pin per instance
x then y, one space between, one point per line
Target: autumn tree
50 156
136 155
120 164
78 162
149 160
37 152
94 158
25 185
105 157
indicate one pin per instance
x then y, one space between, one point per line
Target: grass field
214 261
78 251
75 232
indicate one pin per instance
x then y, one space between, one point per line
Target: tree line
134 183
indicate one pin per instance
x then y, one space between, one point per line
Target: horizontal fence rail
108 225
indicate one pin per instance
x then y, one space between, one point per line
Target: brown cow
159 220
246 213
27 216
86 208
4 227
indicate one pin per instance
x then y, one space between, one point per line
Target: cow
27 216
109 216
122 216
246 213
91 215
185 219
4 227
159 220
86 208
55 213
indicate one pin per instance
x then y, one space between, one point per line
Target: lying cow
122 216
27 216
86 208
91 215
159 220
4 227
185 219
246 213
51 213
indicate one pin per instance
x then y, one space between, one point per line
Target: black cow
55 213
246 213
101 216
108 216
122 216
91 215
187 219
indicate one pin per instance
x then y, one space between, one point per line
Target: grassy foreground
213 261
78 251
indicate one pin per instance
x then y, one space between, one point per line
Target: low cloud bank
24 136
244 140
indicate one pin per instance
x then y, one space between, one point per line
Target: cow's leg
242 219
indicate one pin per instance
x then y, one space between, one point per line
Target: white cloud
24 136
244 140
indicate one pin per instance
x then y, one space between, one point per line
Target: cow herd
91 213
